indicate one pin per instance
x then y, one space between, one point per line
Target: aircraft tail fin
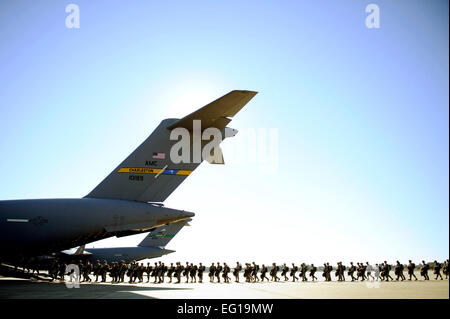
162 235
149 174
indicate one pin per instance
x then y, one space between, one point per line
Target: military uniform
284 271
273 272
398 271
200 271
437 270
179 270
254 273
218 271
369 271
226 270
424 270
263 273
187 270
351 271
328 271
411 266
170 271
293 271
386 270
212 271
236 271
193 272
148 271
445 269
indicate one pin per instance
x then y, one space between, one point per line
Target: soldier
130 272
98 270
424 270
339 271
159 270
305 266
112 272
200 271
179 270
193 271
236 271
186 272
402 268
328 273
218 271
301 272
53 270
226 270
351 271
123 270
170 271
163 273
411 266
362 271
324 273
397 271
104 270
386 270
293 271
212 271
369 271
380 270
263 273
284 272
274 272
249 277
312 271
62 270
343 272
377 271
255 270
80 269
445 269
437 270
141 272
86 271
148 271
154 273
247 272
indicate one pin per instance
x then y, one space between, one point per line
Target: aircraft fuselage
42 226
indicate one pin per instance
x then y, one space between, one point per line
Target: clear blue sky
362 117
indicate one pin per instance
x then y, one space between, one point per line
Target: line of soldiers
252 272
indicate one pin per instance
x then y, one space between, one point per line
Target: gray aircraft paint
58 224
152 246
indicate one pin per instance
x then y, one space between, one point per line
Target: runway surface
11 288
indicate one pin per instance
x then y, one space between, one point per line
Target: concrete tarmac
11 288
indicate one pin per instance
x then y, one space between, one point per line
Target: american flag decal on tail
159 155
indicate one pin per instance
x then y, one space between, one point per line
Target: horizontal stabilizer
217 113
162 235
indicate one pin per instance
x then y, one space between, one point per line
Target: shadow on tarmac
11 288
